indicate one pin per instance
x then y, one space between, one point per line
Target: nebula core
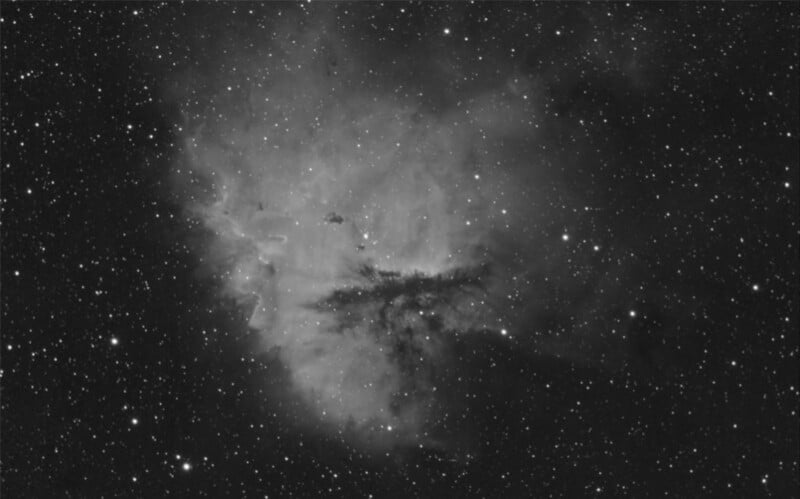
357 223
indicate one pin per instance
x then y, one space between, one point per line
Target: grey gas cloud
353 218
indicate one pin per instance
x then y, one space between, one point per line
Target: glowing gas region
353 220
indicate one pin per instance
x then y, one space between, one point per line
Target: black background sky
665 134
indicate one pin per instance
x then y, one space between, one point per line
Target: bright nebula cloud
356 222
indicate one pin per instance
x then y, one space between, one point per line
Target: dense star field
399 250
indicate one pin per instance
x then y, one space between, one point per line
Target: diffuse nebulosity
346 216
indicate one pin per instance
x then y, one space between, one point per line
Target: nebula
355 221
